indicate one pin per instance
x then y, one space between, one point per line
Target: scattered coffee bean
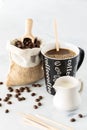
39 85
23 98
40 97
37 100
9 95
0 105
10 89
19 99
34 85
6 111
22 89
0 99
6 99
39 104
1 83
27 89
33 94
80 115
35 106
9 102
16 95
72 119
17 90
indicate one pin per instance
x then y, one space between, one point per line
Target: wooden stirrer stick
56 35
32 123
38 121
56 123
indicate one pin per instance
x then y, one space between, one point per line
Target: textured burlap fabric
20 76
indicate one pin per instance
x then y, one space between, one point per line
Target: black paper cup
54 68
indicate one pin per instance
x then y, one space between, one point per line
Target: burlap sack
25 66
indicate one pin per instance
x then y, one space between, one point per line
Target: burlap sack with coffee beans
25 65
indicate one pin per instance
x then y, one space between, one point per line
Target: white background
71 17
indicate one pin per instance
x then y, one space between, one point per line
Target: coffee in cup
61 54
62 63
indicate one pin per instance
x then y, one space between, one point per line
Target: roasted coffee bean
26 41
34 85
35 40
35 106
6 99
31 45
9 95
1 83
39 85
18 44
10 89
27 89
39 104
16 95
22 89
23 98
6 111
80 115
19 99
33 94
37 44
0 105
9 102
40 97
17 90
37 100
72 119
0 99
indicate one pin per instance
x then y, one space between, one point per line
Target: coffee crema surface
61 54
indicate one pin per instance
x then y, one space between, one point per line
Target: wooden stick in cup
56 35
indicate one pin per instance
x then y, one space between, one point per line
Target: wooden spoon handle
28 26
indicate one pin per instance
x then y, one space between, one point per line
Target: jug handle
81 87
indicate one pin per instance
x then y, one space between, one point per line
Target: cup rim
62 43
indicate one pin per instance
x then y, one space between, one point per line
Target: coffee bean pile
27 43
17 93
79 116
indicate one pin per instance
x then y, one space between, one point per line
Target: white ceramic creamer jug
68 91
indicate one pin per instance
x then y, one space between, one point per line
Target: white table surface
72 27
